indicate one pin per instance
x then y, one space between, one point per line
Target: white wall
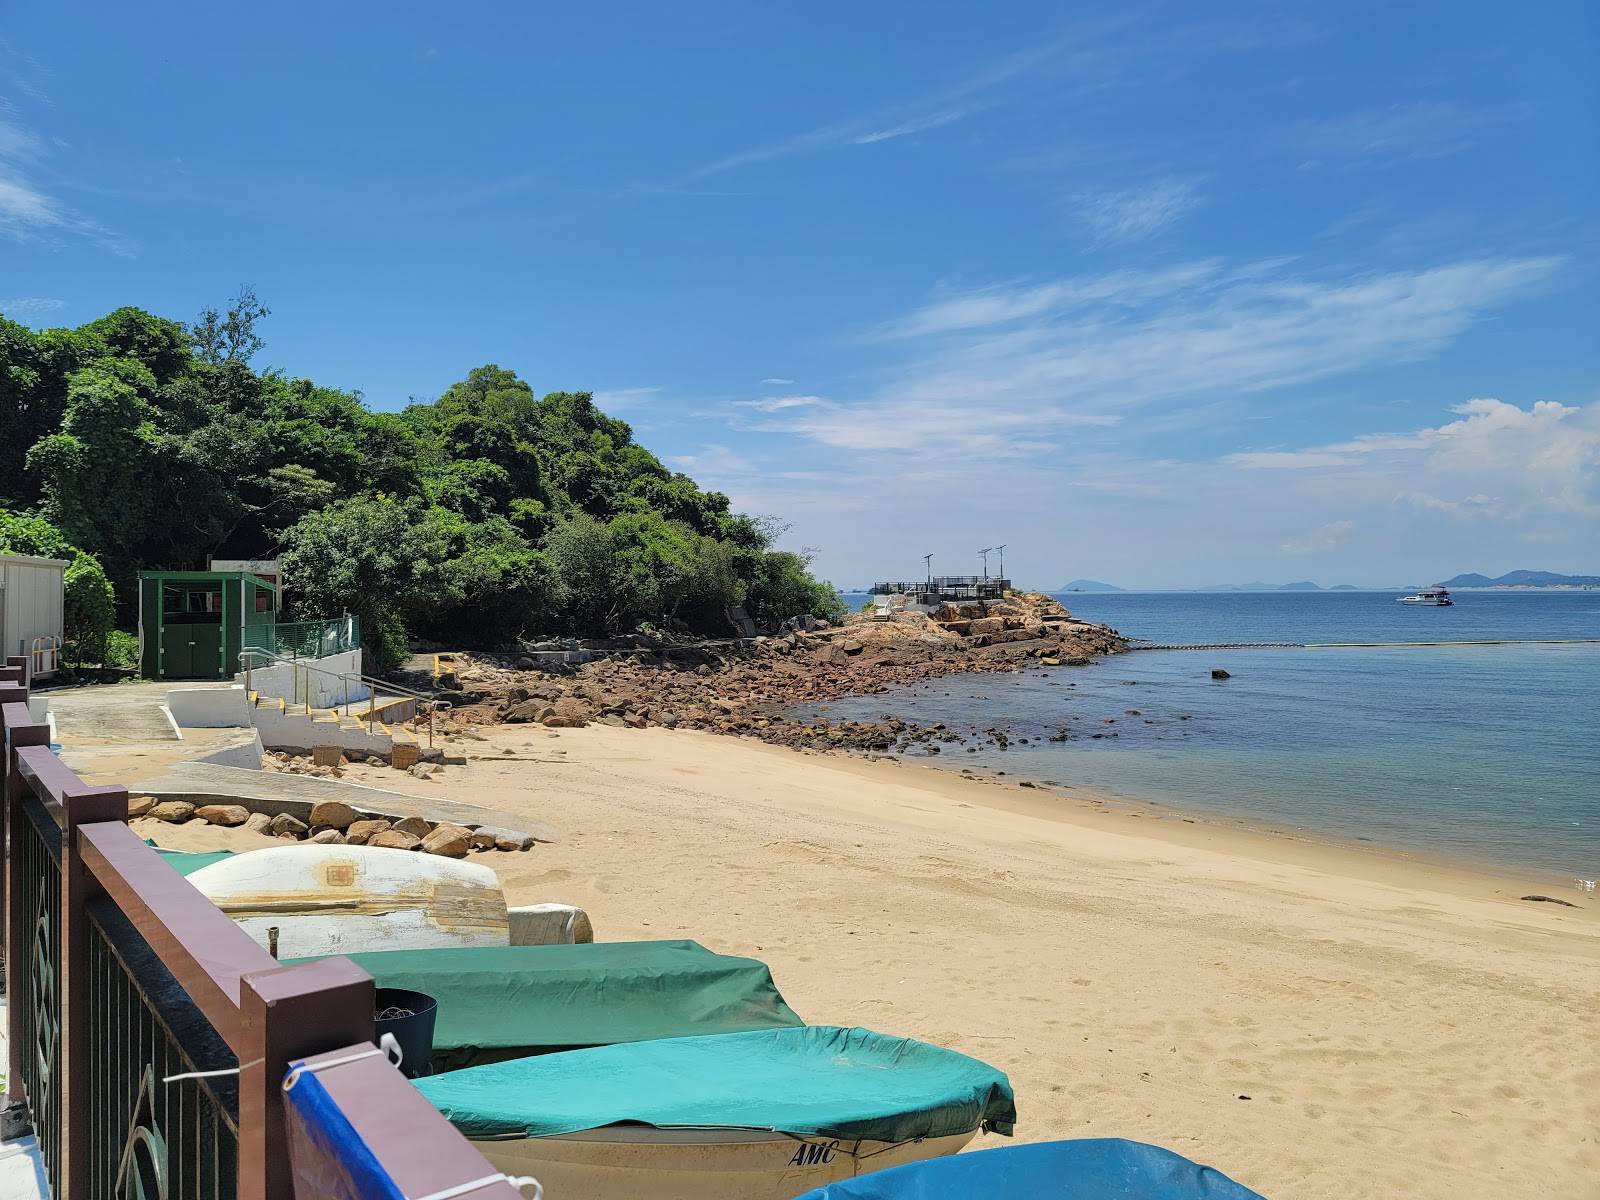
311 681
30 603
209 708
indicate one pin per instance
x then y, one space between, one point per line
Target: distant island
1523 579
1087 585
1512 579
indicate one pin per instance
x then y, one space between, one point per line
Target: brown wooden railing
120 975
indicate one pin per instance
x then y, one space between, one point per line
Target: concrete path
21 1168
113 712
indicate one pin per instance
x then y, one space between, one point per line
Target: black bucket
411 1021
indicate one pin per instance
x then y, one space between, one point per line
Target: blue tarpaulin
1086 1169
327 1156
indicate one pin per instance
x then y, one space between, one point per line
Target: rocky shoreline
749 688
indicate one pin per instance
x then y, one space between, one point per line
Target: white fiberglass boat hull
642 1162
325 900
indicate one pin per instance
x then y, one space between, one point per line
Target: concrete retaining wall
313 681
209 708
244 753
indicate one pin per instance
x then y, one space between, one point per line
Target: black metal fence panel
151 1135
36 857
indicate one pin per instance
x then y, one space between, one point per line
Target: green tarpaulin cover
850 1084
509 1002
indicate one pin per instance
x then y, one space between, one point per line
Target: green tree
376 556
230 336
89 609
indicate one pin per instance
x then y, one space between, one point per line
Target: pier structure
947 589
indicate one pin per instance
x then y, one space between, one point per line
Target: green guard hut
193 624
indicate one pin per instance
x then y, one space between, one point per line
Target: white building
31 609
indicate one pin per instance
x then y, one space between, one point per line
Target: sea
1487 755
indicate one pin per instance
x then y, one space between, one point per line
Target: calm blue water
1484 753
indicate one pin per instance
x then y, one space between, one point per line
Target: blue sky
1159 294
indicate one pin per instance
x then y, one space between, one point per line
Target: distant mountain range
1302 586
1523 579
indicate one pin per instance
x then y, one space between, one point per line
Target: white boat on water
1436 596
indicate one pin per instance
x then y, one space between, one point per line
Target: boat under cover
505 1002
1081 1169
852 1085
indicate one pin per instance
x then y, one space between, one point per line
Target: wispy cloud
1545 458
774 404
1013 372
1319 541
943 107
1421 130
777 382
27 211
914 125
1117 218
622 399
30 306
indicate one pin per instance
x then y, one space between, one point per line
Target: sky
1158 294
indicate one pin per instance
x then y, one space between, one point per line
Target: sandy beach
1316 1021
1400 1029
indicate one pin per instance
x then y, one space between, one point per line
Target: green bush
122 650
88 607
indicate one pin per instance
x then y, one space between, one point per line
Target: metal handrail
433 705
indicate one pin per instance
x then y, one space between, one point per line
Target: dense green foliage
485 515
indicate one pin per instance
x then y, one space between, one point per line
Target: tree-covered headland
139 443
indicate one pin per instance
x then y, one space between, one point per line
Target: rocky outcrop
749 688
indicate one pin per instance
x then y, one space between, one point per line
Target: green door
177 655
206 644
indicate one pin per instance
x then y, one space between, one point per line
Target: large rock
334 813
394 839
359 833
174 812
224 814
140 806
283 823
569 713
328 837
448 842
504 839
530 710
258 823
415 826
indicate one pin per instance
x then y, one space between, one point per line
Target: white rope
212 1074
461 1189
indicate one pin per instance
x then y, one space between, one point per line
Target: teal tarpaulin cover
499 1002
1086 1169
850 1084
186 863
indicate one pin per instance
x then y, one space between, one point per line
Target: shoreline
1309 835
1022 793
